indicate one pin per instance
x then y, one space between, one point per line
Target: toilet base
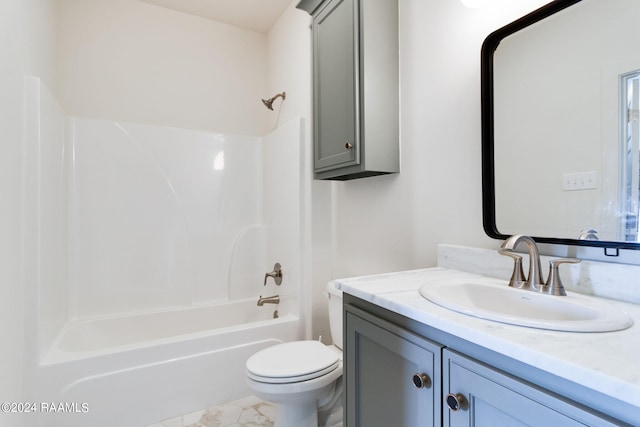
296 414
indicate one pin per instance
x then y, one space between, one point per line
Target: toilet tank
335 313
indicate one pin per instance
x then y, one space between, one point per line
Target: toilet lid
293 361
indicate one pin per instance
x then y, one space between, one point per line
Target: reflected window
630 141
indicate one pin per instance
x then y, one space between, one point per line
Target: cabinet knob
455 402
421 380
348 146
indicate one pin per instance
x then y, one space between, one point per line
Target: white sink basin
501 303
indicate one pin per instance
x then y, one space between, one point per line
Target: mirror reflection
565 125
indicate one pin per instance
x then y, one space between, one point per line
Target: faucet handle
554 284
518 280
276 274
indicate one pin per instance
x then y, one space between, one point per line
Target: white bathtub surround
155 215
45 218
246 412
163 217
605 367
145 250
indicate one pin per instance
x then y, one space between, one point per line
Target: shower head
269 102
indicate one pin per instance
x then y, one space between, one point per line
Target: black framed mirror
560 133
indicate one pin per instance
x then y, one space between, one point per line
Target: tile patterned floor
247 412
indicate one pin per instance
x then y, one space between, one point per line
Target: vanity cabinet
476 394
384 353
355 87
394 375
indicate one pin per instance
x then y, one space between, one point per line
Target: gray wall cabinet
355 87
464 384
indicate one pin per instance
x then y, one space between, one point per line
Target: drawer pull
421 380
455 402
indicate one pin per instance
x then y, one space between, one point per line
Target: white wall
289 65
395 222
136 62
26 48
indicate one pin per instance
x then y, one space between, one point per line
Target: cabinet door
491 398
336 143
392 376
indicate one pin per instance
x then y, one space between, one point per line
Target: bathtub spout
268 300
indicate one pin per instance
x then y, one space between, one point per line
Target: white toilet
303 378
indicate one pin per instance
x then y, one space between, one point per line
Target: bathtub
135 370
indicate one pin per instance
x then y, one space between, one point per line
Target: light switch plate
580 181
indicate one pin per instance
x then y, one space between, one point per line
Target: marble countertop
608 362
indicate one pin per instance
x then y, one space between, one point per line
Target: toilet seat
292 362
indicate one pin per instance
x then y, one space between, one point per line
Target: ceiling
254 15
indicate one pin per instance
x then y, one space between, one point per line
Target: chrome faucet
275 299
534 277
534 281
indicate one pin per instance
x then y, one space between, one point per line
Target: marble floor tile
246 412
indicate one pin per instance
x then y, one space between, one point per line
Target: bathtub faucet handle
276 274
